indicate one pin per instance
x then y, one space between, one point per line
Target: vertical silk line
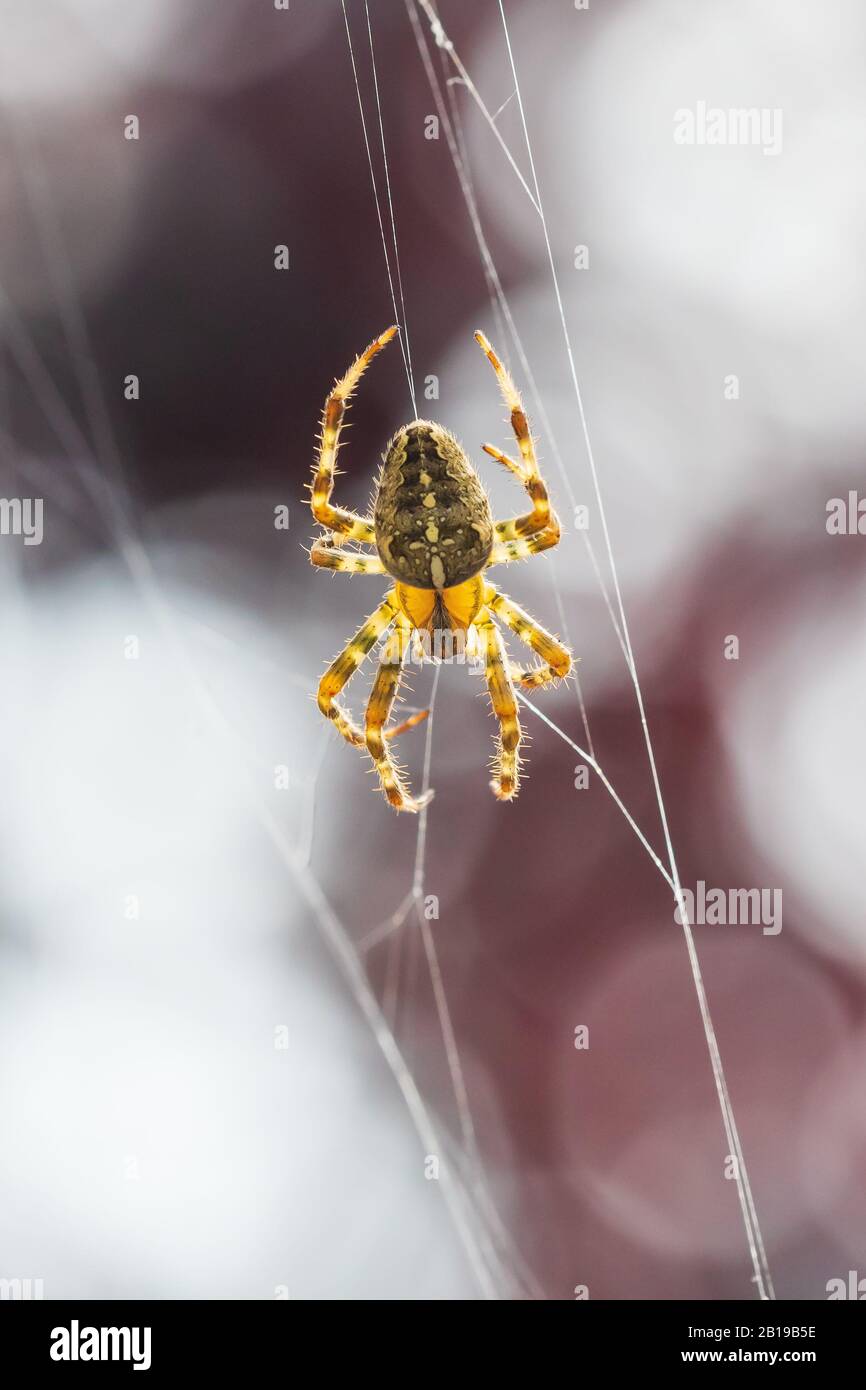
397 317
404 320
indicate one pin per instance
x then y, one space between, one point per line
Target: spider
432 531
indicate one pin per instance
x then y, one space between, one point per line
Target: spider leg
326 553
542 517
348 523
506 765
505 552
411 723
344 666
379 707
556 660
509 463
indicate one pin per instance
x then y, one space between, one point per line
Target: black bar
222 1338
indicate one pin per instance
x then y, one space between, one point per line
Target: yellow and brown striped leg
511 464
506 765
527 471
344 666
381 702
541 518
506 552
349 524
556 660
328 555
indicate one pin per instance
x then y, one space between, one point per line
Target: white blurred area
771 240
156 1140
794 736
703 261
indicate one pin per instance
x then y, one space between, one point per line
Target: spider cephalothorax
433 532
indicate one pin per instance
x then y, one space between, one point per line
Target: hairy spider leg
542 517
556 660
344 666
347 523
380 704
505 552
506 762
329 556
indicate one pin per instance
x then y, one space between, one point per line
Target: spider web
496 1263
419 12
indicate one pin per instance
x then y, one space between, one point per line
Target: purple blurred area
157 779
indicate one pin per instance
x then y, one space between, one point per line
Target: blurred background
228 1069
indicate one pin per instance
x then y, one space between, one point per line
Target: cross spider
433 533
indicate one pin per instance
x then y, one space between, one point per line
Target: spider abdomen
434 528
